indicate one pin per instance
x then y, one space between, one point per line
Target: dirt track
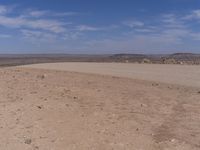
173 74
58 110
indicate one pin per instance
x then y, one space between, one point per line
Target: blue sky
99 26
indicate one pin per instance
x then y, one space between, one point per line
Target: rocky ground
58 110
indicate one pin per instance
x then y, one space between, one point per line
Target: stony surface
57 110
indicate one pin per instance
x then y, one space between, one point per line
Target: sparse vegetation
146 61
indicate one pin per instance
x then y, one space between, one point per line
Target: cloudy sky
99 26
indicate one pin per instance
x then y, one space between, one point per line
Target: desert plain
100 106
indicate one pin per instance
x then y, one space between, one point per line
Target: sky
99 26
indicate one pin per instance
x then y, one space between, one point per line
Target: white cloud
72 35
46 13
37 13
153 42
51 25
63 14
195 36
133 23
38 36
44 24
87 28
179 27
4 9
166 31
145 30
169 18
5 36
172 21
95 28
195 14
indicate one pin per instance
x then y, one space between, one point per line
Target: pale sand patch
173 74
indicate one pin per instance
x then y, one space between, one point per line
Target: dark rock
75 97
39 107
155 84
28 141
36 147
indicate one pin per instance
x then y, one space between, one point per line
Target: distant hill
184 56
176 58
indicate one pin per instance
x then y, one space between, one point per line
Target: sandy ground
59 110
173 74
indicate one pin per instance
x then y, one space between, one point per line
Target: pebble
39 107
172 140
42 76
28 141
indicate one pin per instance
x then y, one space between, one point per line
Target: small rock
42 76
198 92
75 97
33 92
143 105
36 147
28 141
39 107
155 84
169 87
173 140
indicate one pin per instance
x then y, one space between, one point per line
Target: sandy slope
173 74
57 110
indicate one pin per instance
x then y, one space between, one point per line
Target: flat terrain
173 74
61 110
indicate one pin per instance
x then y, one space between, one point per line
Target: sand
173 74
61 110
